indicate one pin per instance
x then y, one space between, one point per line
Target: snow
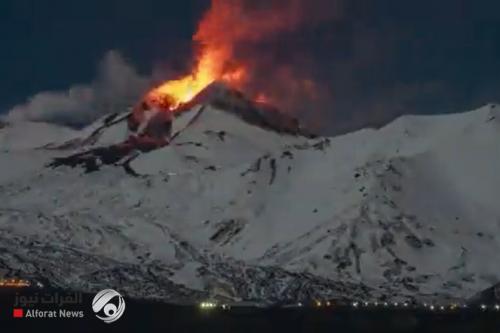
409 209
31 135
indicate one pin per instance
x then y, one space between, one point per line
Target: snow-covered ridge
234 209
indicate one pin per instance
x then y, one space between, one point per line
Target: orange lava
214 62
227 25
208 70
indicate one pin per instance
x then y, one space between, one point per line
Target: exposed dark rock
322 144
254 167
397 188
272 165
221 135
190 143
428 242
393 169
227 230
287 154
391 273
400 262
110 118
387 239
411 287
413 241
92 159
129 170
344 264
191 158
257 114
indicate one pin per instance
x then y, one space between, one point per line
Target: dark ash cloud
363 63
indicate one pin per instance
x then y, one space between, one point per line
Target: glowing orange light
262 98
13 283
214 62
208 70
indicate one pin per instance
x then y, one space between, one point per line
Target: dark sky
376 60
52 44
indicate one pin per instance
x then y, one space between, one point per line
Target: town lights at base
207 305
361 305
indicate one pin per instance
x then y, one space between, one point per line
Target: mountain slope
234 209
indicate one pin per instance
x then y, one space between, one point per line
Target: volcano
242 205
157 130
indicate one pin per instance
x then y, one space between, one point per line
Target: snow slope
235 210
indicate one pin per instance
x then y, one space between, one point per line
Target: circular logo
108 305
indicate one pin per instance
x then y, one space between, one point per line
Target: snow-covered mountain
238 210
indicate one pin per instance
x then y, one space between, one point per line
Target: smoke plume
261 36
116 87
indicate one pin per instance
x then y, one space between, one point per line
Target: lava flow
174 93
